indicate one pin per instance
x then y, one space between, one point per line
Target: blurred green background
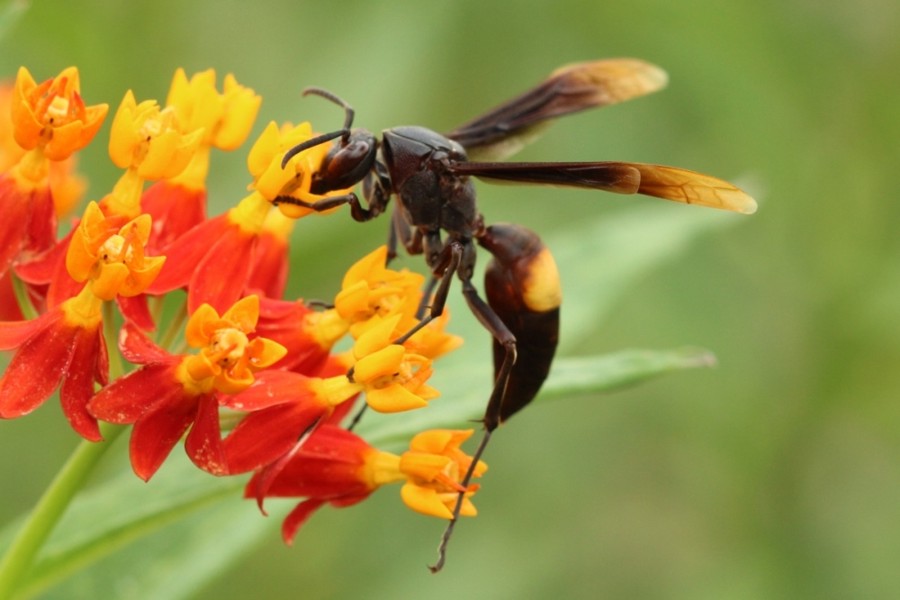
775 475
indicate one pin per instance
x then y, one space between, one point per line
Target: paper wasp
436 215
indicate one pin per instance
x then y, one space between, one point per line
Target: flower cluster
217 357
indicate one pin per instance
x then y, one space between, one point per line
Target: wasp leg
357 211
522 313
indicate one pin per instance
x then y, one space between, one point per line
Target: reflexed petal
15 207
128 398
264 436
37 367
184 255
204 442
139 349
220 277
78 386
156 433
135 310
175 209
271 388
14 333
297 517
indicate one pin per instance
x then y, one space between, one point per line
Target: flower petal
156 433
425 500
220 277
204 442
128 398
78 386
297 517
139 349
37 367
186 252
264 436
393 398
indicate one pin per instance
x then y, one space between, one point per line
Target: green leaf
464 403
601 259
182 529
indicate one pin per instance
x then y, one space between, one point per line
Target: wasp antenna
311 143
348 110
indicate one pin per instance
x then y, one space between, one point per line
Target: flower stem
50 509
22 298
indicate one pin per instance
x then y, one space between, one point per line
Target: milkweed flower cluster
253 384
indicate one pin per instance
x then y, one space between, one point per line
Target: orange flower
228 357
52 116
113 261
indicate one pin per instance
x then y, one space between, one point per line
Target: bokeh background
775 475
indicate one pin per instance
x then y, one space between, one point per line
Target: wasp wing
670 183
501 132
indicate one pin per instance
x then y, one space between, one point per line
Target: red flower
332 467
64 345
337 467
173 393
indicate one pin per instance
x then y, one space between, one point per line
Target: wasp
430 175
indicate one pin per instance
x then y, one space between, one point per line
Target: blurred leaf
10 12
199 514
602 258
464 403
621 369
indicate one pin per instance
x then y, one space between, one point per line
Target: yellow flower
435 466
393 378
150 140
295 178
52 116
226 118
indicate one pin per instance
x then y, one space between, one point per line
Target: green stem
50 509
167 339
21 293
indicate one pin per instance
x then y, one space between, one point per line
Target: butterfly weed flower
65 345
49 123
282 406
149 143
172 393
197 262
225 118
339 468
